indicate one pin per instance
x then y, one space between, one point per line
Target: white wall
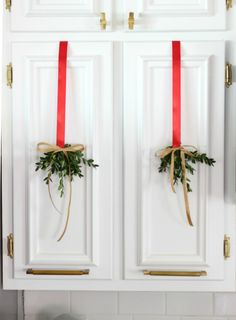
131 306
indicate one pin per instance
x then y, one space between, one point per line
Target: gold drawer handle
103 21
175 273
43 272
131 21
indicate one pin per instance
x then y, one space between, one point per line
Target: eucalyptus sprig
63 164
190 161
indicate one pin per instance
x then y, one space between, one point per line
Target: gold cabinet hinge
229 4
8 5
9 75
228 75
10 245
226 247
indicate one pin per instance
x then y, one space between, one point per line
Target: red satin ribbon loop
176 93
61 95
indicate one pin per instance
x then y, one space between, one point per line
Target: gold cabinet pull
229 4
9 75
228 75
8 5
162 273
10 246
103 21
44 272
131 21
226 247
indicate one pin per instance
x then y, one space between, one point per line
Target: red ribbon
176 87
61 94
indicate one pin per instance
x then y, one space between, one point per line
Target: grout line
118 303
165 303
69 301
213 304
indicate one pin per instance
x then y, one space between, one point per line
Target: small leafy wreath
178 161
66 163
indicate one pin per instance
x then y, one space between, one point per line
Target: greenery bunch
63 164
190 161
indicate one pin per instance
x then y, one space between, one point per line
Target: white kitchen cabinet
156 231
36 224
172 15
59 15
158 15
124 217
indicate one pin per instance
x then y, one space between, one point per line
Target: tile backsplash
45 305
8 305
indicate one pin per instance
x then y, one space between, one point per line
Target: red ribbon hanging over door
176 93
61 94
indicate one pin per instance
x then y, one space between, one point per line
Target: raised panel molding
193 68
59 15
177 8
88 242
171 15
59 8
40 251
155 221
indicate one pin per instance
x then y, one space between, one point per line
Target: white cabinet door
59 15
36 224
157 236
172 15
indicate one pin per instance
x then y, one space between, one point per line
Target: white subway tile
8 303
8 316
189 304
94 302
109 317
141 303
47 303
154 317
37 317
204 318
225 304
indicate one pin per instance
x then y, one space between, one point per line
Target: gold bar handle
44 272
229 4
131 20
162 273
103 21
10 246
228 75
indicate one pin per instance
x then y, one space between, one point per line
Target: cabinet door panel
37 225
171 15
156 230
59 15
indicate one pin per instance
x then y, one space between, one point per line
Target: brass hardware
131 21
9 75
103 21
44 272
228 75
229 4
8 5
10 245
175 273
226 247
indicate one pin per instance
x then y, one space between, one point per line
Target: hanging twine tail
68 208
183 151
45 147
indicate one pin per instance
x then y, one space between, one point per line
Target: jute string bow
45 147
183 152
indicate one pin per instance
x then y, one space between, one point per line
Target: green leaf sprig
190 161
63 165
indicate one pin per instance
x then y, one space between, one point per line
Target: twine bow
45 147
183 152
